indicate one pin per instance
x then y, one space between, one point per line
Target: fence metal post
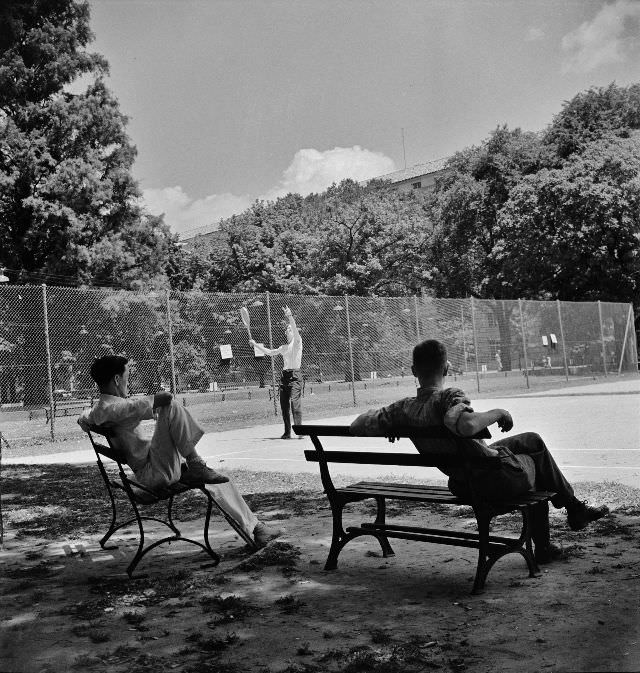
475 342
49 373
524 343
1 524
353 377
634 345
604 354
415 306
273 365
564 350
624 341
172 361
464 338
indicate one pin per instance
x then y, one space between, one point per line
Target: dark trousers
547 477
291 397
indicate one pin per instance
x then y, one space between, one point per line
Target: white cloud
612 36
309 171
534 34
182 213
314 171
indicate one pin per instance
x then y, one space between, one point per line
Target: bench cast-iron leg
484 519
338 539
380 519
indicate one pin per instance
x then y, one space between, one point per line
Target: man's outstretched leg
549 477
231 500
174 439
184 432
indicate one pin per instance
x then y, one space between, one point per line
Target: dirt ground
68 605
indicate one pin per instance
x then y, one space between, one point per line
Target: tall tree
465 208
69 206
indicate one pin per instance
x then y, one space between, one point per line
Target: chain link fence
195 344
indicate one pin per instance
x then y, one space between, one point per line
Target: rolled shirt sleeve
454 403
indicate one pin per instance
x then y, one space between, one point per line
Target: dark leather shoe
548 553
287 435
582 515
200 473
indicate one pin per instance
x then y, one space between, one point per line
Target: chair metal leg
114 512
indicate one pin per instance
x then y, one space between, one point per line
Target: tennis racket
244 314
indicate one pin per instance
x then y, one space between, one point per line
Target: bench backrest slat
404 459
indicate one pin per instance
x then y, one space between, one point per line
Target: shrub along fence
195 342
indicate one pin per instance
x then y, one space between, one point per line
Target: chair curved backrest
109 450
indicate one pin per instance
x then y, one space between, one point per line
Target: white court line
270 460
602 467
594 450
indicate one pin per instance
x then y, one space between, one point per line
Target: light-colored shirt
291 352
125 417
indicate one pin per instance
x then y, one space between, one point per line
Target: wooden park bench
140 496
67 407
490 547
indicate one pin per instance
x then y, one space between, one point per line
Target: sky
230 101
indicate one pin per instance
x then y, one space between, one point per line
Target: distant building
209 234
420 176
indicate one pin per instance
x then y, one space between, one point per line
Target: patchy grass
289 604
276 553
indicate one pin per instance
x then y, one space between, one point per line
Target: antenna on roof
404 154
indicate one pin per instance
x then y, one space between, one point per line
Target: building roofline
425 168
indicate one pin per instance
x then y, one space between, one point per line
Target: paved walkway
593 431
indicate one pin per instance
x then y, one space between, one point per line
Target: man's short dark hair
429 357
105 368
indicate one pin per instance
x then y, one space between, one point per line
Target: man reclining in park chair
526 462
170 455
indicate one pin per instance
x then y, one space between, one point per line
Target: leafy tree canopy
351 239
594 114
573 233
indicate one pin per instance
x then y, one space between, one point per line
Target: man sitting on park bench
170 455
526 463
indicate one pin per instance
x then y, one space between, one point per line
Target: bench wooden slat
440 536
404 495
390 488
468 535
401 459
